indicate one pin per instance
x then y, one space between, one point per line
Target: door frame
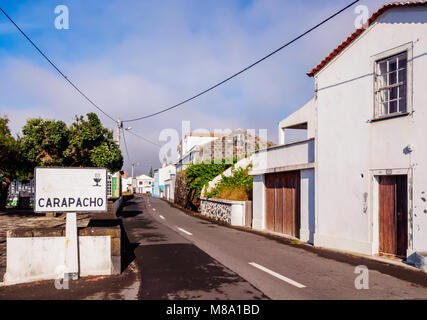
374 212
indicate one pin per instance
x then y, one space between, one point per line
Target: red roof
359 31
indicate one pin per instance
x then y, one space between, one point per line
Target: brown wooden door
393 215
282 202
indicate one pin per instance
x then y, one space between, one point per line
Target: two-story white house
143 184
359 180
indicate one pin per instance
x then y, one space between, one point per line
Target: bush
198 175
236 187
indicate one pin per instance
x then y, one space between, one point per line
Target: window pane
402 101
393 93
402 75
402 61
383 110
382 96
392 78
393 106
393 65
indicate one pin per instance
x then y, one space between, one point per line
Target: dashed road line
161 217
185 231
279 276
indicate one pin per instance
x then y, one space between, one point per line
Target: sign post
71 247
70 190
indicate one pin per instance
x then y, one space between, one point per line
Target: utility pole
118 176
119 126
133 167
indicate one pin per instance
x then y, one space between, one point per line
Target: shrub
236 187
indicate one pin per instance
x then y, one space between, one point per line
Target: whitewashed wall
350 147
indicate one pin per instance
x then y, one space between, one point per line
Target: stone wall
183 196
216 209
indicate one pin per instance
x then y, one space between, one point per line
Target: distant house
143 184
160 176
357 179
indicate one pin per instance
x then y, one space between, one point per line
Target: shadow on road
183 271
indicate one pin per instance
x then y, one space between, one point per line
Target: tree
92 145
151 174
12 163
44 142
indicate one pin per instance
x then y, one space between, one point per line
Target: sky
136 57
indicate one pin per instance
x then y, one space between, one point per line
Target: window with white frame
391 85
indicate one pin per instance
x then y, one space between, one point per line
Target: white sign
70 190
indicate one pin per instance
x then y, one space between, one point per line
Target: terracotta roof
359 31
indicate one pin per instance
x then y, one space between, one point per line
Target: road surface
182 256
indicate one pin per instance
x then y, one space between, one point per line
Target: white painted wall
258 202
305 114
349 146
307 205
43 258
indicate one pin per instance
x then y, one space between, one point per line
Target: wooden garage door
282 202
393 215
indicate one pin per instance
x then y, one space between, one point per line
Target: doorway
283 202
393 215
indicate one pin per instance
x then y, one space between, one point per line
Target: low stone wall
34 255
114 205
216 209
230 212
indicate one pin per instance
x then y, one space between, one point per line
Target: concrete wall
258 202
352 150
287 157
231 212
34 255
305 114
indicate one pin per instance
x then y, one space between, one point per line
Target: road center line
185 231
154 209
279 276
161 217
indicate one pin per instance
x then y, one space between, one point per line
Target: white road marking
185 231
154 209
161 217
279 276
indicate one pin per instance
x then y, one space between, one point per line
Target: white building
360 179
126 184
143 184
160 176
187 149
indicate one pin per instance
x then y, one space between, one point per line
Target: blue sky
137 57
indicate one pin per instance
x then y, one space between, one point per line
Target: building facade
359 182
143 184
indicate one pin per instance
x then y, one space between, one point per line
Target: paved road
182 257
172 266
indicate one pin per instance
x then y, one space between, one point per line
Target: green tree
92 145
12 163
44 142
151 174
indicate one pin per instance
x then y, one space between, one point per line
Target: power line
245 69
145 139
56 68
126 146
